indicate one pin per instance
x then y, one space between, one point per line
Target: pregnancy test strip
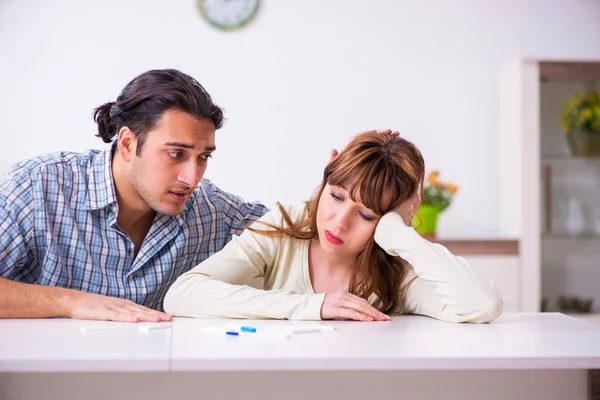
87 329
229 332
158 327
311 328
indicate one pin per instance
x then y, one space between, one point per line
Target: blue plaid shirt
58 227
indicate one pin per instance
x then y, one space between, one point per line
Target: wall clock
228 14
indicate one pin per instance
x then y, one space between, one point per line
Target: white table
518 356
57 345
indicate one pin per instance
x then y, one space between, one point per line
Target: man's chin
169 211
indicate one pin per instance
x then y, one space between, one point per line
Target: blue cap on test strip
241 328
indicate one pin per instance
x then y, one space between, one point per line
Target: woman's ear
333 154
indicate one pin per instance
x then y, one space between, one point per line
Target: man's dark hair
146 98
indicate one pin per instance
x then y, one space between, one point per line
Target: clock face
228 14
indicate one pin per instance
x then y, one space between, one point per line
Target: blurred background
300 79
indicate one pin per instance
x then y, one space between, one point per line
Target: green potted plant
436 197
580 119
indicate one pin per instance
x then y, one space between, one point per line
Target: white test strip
101 328
311 328
285 328
240 328
284 335
157 327
222 331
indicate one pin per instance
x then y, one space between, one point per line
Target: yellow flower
586 115
432 178
437 193
580 112
451 187
595 123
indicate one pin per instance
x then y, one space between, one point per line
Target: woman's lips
331 238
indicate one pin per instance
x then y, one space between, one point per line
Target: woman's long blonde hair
384 171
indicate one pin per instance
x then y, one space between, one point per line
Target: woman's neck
328 271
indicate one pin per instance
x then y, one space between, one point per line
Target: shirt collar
101 185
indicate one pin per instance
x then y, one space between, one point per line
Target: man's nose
190 174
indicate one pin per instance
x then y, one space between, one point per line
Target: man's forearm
23 300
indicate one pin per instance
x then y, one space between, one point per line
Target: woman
348 253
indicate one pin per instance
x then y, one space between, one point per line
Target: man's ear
126 143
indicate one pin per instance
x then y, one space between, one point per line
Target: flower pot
425 222
584 143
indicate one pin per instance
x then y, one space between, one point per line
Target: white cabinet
541 183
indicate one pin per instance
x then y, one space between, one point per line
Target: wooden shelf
565 157
479 247
569 71
567 236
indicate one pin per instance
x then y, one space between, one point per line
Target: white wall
301 79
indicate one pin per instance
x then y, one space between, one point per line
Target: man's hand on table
97 307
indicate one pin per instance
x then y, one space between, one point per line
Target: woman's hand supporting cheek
408 207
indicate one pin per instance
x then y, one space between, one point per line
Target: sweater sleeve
438 284
218 287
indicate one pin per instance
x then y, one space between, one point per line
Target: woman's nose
343 219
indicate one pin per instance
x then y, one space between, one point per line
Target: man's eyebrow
189 146
179 144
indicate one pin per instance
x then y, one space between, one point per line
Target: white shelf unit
537 173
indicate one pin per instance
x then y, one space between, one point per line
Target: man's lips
331 238
179 195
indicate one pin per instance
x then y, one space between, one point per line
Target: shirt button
114 208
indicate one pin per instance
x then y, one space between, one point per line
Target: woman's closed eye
336 197
366 216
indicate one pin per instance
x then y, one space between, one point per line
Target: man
102 235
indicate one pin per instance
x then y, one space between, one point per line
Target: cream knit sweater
439 284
